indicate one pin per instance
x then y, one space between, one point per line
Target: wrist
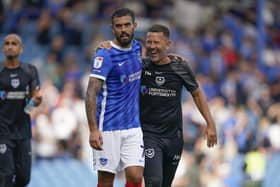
94 128
29 107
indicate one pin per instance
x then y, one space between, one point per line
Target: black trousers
162 156
15 162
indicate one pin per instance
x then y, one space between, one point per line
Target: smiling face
157 44
123 29
12 46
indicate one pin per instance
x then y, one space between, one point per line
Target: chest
14 80
126 70
161 77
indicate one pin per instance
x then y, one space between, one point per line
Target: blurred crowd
221 42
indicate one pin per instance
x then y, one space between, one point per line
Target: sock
131 184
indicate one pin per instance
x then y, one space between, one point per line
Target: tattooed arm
95 138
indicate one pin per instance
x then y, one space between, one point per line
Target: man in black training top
19 91
160 104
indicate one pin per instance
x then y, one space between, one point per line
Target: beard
11 56
124 42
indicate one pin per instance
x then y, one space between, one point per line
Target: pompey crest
15 83
150 153
3 148
160 80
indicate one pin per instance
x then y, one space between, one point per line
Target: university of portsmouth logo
103 161
3 94
3 148
144 90
15 83
98 62
150 153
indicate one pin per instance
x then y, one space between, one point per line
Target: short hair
160 28
123 12
18 38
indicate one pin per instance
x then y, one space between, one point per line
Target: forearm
91 102
201 103
34 101
91 111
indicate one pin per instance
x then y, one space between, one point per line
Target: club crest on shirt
103 161
98 62
3 148
15 83
160 80
150 153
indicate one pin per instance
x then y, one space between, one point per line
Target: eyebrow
17 37
12 42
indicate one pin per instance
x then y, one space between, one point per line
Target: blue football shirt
118 99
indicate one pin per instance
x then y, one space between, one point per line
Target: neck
164 60
11 63
121 46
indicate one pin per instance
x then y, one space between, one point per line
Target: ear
168 44
21 50
135 25
112 28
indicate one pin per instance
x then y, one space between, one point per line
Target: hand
211 135
96 140
104 44
37 96
175 57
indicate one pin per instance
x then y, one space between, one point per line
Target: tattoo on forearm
94 86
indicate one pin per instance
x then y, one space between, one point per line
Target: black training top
160 101
15 91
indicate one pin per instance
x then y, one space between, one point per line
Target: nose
152 45
122 29
9 46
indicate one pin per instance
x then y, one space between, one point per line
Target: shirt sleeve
101 64
185 72
35 82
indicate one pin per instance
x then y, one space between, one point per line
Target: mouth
153 53
124 35
9 52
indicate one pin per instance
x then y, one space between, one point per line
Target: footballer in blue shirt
112 105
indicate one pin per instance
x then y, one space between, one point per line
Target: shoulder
103 52
136 44
1 66
180 64
178 60
29 68
146 61
101 55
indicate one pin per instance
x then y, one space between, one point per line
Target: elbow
196 93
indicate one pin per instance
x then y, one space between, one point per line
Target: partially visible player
163 78
19 92
112 105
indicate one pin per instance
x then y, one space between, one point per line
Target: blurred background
232 46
